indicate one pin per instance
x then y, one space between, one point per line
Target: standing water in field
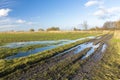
23 54
92 50
87 45
36 50
81 47
104 47
52 44
22 44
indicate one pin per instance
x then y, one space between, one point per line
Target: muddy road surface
73 64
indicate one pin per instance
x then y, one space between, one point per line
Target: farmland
40 36
59 40
74 59
109 67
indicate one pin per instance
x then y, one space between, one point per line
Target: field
109 67
37 36
95 58
6 38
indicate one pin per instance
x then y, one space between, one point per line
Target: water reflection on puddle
87 45
23 54
91 51
53 44
104 46
22 44
82 47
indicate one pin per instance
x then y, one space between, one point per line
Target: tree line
48 29
111 25
108 25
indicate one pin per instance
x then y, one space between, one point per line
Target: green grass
115 40
5 52
109 67
36 36
7 66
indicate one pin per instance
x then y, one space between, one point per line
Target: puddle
104 47
99 55
23 54
90 37
22 44
91 51
34 51
82 47
74 48
78 48
87 45
98 37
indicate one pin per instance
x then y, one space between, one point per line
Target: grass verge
8 66
109 67
40 36
5 52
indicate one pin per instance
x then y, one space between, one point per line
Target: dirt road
68 65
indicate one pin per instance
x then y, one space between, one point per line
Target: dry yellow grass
104 31
117 40
117 34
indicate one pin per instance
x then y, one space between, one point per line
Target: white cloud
4 20
91 3
30 23
7 26
101 12
114 10
4 12
104 13
7 23
7 3
20 21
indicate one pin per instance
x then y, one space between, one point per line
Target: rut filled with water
51 45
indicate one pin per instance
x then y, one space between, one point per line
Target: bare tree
109 25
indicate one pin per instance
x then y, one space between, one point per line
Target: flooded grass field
59 39
63 58
41 36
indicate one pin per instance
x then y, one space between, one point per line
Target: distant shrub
32 30
40 29
53 29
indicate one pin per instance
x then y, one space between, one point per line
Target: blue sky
66 14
